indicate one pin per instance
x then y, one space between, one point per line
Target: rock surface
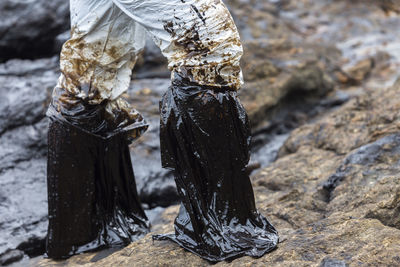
28 28
365 119
355 223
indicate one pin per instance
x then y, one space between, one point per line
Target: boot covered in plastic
93 202
205 137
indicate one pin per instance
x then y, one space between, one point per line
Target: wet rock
387 212
34 246
156 186
299 248
359 71
24 205
23 144
368 184
158 189
358 31
28 28
11 256
367 156
264 21
25 88
20 68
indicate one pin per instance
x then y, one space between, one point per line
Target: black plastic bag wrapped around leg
205 138
93 202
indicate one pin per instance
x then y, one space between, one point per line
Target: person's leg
204 131
93 202
198 37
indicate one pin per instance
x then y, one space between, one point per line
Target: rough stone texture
11 256
276 69
24 90
28 28
155 185
363 120
355 223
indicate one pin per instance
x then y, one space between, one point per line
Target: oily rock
28 28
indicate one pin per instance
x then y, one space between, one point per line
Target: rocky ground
325 118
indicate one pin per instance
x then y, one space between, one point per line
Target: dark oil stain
169 27
191 43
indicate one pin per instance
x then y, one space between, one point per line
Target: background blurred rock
28 28
324 112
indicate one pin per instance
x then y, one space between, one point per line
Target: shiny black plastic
93 202
205 138
95 119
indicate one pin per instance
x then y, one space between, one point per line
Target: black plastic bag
205 138
93 202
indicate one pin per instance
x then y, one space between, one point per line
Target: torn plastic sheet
205 137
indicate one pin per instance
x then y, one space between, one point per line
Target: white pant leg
96 63
198 37
96 66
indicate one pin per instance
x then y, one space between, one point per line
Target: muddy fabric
97 61
93 202
205 139
198 37
103 120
